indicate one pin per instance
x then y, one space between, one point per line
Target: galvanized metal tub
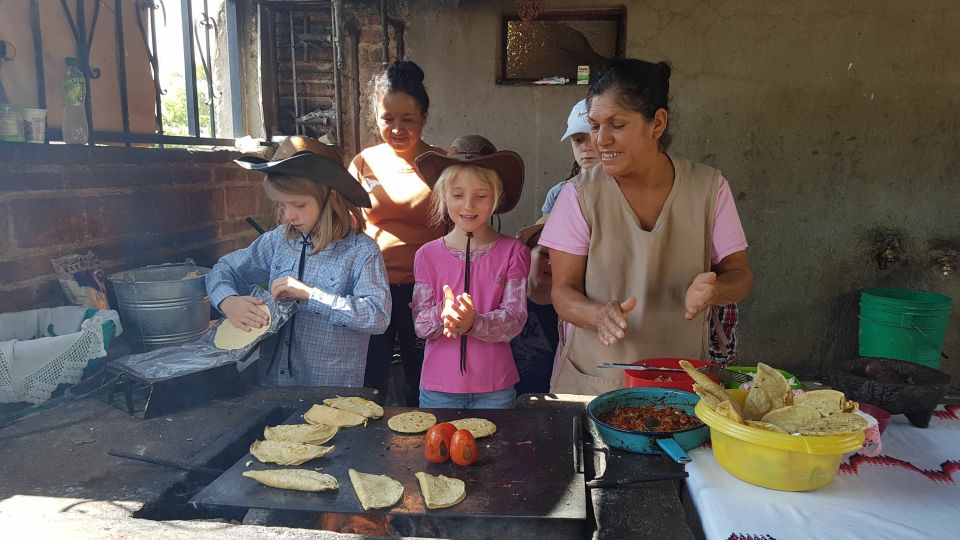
163 305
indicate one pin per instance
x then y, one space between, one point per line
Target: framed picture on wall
555 44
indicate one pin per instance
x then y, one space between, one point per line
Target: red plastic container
882 416
677 379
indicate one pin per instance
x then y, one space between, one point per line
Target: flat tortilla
726 410
792 417
300 433
231 338
765 426
375 490
838 424
287 453
770 390
828 402
363 407
709 386
411 422
296 479
328 416
440 491
478 427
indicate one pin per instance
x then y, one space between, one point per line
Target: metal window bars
192 44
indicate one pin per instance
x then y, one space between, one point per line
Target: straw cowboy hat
531 233
476 150
310 158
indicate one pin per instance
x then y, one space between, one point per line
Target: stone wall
130 206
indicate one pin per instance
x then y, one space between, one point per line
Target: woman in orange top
399 219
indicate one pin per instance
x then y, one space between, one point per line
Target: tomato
446 428
436 446
463 448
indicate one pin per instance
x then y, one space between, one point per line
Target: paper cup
35 125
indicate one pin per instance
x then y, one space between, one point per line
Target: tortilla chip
726 410
837 424
287 453
792 417
709 386
300 433
765 426
375 490
411 422
440 491
363 407
322 414
478 427
296 479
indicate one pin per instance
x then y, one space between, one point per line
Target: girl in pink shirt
469 295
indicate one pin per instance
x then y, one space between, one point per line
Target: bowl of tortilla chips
770 438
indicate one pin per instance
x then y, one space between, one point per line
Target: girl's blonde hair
335 221
438 203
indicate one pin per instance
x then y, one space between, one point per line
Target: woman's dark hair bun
405 71
665 68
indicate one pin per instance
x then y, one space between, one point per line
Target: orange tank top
400 216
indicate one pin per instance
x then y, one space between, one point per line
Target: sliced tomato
436 447
463 448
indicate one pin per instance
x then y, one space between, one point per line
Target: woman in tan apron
643 246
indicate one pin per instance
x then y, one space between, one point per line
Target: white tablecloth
910 491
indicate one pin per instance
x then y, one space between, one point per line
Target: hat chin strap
466 289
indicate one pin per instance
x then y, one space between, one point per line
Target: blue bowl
673 443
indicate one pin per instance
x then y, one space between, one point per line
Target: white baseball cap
577 121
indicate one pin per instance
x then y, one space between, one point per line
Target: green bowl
752 371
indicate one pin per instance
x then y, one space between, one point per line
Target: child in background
536 346
584 152
318 256
469 297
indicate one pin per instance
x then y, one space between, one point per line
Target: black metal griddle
526 469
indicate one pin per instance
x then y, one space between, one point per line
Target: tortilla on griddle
441 491
296 479
412 422
478 427
375 490
792 417
231 338
300 433
354 404
837 424
287 453
328 416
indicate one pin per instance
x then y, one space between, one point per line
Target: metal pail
163 305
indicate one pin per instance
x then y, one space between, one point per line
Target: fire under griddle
525 470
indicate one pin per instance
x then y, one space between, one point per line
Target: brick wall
130 206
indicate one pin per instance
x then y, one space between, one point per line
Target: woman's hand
290 288
458 314
701 294
611 320
242 312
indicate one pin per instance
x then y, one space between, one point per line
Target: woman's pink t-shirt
490 365
566 229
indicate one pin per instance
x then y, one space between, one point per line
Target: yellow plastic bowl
775 460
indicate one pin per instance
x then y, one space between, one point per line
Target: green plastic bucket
903 324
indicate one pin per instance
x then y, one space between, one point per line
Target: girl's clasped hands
458 313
